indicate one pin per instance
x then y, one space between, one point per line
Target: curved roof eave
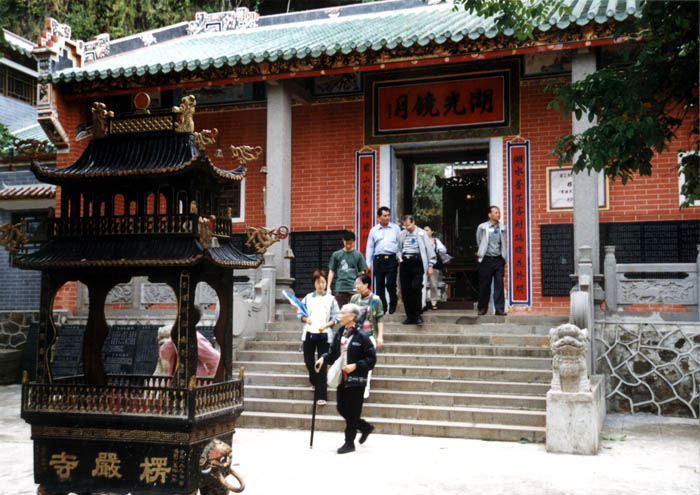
346 35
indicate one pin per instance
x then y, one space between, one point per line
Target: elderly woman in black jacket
361 358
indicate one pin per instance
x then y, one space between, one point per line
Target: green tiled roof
17 43
33 132
346 35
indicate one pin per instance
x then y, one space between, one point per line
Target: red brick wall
66 297
242 127
652 198
325 138
70 114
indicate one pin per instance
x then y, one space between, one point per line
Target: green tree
5 140
427 196
639 107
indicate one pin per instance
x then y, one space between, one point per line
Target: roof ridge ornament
244 154
30 147
13 236
217 22
262 238
186 121
100 114
205 138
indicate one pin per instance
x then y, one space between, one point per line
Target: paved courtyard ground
641 454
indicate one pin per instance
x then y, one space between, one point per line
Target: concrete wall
19 289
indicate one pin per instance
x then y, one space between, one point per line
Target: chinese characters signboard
365 187
101 464
519 255
474 100
560 189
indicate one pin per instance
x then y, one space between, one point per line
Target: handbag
335 372
438 265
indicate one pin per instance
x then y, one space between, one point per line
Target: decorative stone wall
14 328
650 367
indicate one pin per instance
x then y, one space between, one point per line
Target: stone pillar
586 229
697 262
496 175
269 273
278 187
386 162
610 271
575 402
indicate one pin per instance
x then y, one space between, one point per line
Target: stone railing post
611 280
697 262
576 400
582 297
269 272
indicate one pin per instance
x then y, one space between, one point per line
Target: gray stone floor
640 454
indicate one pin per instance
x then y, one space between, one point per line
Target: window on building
681 178
232 197
37 228
14 84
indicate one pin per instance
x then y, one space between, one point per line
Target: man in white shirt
382 249
491 238
416 258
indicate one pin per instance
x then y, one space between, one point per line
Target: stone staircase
458 375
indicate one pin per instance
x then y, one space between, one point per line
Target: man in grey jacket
416 258
491 238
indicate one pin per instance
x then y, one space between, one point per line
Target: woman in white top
317 333
430 295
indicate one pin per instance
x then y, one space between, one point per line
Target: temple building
354 106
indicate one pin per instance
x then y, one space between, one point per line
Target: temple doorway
449 191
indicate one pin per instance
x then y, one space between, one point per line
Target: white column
586 228
386 160
278 152
496 174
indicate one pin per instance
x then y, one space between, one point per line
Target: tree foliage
516 18
5 139
427 196
639 106
88 18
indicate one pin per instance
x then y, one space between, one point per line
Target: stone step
464 318
536 378
423 349
442 390
441 328
327 422
380 394
405 412
398 336
413 359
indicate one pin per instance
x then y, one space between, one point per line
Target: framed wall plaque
480 99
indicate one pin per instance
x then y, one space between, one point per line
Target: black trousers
384 267
350 408
491 268
316 342
411 273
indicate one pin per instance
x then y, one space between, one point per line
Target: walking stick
313 420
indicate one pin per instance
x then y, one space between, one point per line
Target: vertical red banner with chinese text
365 200
519 253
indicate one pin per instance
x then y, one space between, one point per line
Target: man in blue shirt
382 250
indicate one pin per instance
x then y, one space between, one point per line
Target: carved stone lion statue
569 346
215 465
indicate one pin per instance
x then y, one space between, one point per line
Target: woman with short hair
354 346
317 333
